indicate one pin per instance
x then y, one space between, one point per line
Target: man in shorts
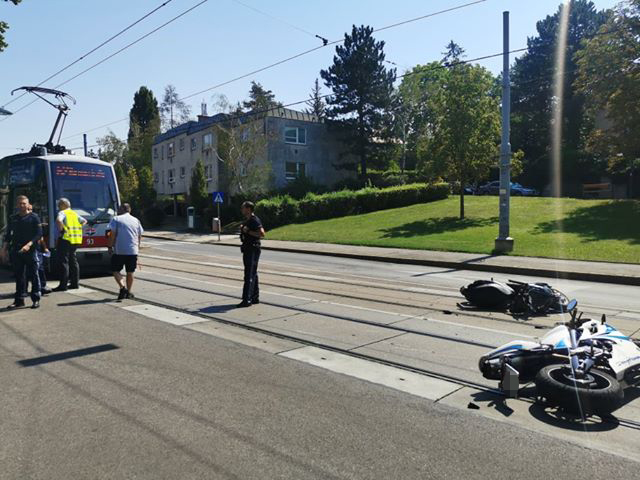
124 242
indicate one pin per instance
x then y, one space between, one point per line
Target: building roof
205 122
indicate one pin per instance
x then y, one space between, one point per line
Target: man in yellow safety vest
69 225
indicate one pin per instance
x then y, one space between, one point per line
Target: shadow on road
218 308
615 220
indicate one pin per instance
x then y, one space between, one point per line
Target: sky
216 42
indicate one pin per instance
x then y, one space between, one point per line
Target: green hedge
282 210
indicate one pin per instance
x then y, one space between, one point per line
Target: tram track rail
630 424
410 287
447 311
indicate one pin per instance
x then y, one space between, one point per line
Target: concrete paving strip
393 316
248 338
398 379
327 330
592 434
164 314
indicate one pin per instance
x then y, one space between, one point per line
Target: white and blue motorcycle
583 365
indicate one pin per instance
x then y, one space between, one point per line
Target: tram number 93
89 242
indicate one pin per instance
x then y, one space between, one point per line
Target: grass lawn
604 230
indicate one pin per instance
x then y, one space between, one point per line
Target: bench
597 190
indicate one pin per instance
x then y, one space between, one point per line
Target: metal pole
219 221
84 140
504 243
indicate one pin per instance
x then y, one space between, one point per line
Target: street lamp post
504 243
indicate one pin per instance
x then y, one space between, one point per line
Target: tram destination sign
79 171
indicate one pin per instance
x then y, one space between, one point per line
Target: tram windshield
89 187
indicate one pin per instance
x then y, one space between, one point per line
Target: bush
154 216
278 211
282 210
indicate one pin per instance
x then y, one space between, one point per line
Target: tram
48 172
89 184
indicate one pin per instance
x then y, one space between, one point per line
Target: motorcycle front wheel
596 393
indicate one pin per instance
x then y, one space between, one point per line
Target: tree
533 99
198 189
4 26
609 75
242 152
144 125
112 149
173 111
127 178
462 143
413 114
260 99
362 88
146 192
316 103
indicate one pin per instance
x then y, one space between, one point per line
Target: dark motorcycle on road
519 298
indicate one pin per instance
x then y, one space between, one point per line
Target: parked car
493 188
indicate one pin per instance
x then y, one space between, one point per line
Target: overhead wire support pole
504 243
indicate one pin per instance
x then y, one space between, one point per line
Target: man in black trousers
251 232
23 233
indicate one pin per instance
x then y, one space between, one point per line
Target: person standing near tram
23 233
69 226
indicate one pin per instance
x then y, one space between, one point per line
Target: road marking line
164 314
392 377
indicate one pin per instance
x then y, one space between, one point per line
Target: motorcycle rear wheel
597 393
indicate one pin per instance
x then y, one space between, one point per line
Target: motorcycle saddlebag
488 294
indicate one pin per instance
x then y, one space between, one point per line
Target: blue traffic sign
218 197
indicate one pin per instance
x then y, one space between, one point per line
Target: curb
538 272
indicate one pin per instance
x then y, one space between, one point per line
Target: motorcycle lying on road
519 298
583 365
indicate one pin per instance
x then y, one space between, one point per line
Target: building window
155 152
294 170
243 170
155 177
162 152
245 134
295 135
182 172
172 175
194 144
208 172
207 141
181 144
171 149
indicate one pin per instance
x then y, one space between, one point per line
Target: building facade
296 144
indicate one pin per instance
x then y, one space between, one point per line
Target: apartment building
297 144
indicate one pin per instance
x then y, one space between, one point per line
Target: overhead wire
266 14
293 57
94 49
129 45
245 115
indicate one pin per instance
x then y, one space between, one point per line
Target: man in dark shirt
251 232
23 233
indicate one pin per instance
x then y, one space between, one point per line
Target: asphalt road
157 400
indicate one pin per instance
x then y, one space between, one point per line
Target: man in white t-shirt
124 242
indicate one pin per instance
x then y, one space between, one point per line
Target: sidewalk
620 273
